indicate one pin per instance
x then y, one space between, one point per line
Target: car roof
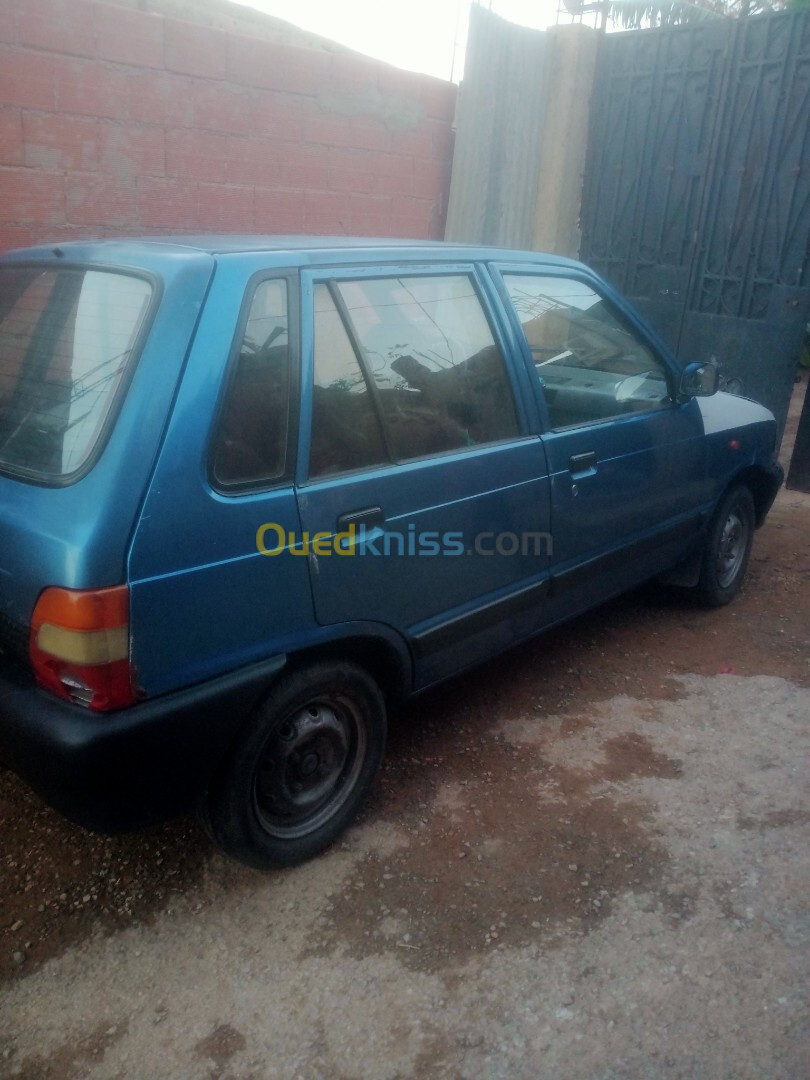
111 249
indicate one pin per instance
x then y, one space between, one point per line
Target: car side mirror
699 380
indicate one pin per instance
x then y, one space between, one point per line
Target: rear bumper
116 771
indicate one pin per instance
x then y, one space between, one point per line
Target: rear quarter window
67 337
250 441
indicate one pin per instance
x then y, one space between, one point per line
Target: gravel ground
588 859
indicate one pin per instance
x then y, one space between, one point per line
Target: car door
626 458
422 487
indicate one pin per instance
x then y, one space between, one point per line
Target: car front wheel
301 768
728 547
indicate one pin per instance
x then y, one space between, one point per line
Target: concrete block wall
120 121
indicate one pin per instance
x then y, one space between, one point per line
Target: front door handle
370 516
580 463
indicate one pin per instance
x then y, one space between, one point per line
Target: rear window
66 341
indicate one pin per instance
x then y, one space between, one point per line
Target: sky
421 35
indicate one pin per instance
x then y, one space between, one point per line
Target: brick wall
116 121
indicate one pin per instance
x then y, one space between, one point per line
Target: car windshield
66 339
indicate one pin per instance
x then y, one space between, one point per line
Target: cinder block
370 134
62 26
278 211
305 71
94 199
129 37
63 234
438 99
26 78
7 20
89 88
328 129
196 155
11 137
303 177
326 212
195 50
58 142
416 219
223 107
352 180
353 74
225 207
14 236
31 197
253 161
128 149
430 178
370 215
397 184
424 141
167 203
161 98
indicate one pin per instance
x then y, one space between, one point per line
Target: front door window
591 366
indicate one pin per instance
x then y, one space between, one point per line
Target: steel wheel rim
309 767
731 549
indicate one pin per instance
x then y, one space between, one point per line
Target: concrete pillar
522 135
570 68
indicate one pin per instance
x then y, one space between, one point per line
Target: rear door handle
580 463
370 516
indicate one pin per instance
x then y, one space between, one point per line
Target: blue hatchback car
254 490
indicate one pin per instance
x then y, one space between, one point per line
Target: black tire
301 768
728 547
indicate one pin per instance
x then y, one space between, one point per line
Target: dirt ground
586 859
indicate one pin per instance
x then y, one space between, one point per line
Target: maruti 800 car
254 491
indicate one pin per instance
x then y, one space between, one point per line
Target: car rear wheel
301 768
728 547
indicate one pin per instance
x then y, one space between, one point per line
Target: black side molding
453 630
577 575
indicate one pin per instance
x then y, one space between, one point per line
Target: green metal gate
696 201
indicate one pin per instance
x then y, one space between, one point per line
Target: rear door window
66 342
411 368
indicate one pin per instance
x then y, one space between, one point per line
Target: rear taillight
79 646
